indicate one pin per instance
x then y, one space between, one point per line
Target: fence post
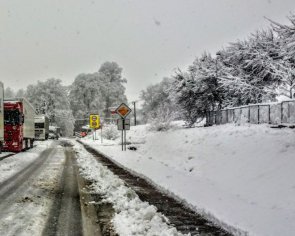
227 116
241 111
282 110
249 115
269 121
218 116
289 113
258 115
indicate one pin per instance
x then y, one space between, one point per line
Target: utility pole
216 61
134 110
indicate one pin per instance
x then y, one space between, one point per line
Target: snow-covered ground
239 176
19 161
132 216
25 212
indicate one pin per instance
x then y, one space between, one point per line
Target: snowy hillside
239 176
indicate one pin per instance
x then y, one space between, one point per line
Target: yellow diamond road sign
123 110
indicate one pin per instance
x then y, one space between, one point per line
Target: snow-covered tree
20 93
8 93
111 84
50 98
198 91
286 37
97 92
85 96
250 69
157 102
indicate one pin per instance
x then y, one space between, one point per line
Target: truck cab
1 116
41 127
19 130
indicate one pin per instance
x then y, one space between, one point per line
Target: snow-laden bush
110 132
163 120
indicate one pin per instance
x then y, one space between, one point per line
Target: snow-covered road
37 191
26 181
58 188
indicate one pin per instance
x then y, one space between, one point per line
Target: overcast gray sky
40 39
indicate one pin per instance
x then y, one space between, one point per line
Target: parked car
54 132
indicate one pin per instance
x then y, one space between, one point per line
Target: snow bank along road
184 220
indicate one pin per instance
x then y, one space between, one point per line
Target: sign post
123 124
101 133
94 123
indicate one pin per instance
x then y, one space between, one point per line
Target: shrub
110 132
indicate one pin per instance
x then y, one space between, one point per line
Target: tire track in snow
17 183
65 215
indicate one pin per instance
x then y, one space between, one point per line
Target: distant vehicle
41 127
85 130
19 125
1 116
54 132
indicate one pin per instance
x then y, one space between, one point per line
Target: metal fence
273 113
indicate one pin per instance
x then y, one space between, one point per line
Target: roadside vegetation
258 69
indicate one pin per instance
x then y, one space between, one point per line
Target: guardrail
271 113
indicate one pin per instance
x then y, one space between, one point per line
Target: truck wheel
31 143
26 144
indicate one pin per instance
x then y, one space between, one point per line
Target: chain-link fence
272 113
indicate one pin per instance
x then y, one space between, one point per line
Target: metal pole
124 132
125 138
122 135
101 133
134 113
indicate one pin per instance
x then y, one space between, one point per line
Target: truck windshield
12 117
39 125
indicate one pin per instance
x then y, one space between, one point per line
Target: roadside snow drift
240 176
132 216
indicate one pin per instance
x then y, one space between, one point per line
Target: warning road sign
123 110
94 121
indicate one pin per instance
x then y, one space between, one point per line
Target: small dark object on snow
280 126
132 148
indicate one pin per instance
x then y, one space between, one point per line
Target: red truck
19 126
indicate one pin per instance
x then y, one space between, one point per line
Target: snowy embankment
239 176
133 217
